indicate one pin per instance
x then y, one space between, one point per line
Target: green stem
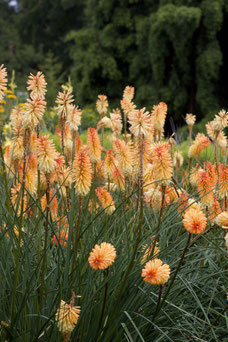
174 276
19 241
159 299
77 234
104 300
45 243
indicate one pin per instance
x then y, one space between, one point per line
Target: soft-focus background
171 50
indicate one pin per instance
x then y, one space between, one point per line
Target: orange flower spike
82 173
102 104
78 144
93 145
102 256
3 81
53 204
214 210
46 154
159 113
194 221
129 93
105 199
32 161
67 317
15 197
223 180
118 178
155 272
37 85
64 100
211 169
200 143
124 156
109 164
205 188
30 181
33 112
163 166
140 122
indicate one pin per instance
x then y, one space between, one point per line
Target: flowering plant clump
121 180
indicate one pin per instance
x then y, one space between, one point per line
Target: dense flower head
194 174
211 170
102 104
123 155
102 256
159 113
104 122
214 210
82 173
37 85
194 221
127 106
118 178
46 154
64 100
140 122
190 119
200 143
74 118
116 120
222 219
153 197
105 199
3 81
67 317
223 180
129 93
155 272
220 121
205 188
93 145
161 159
109 164
16 116
33 112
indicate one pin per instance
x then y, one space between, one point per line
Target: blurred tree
52 70
169 50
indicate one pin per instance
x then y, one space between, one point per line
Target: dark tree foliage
170 50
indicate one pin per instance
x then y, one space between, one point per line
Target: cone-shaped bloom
118 178
211 170
37 85
140 122
102 256
205 188
214 210
223 180
123 155
64 101
127 106
129 93
74 118
155 272
200 143
82 173
33 112
46 154
102 104
16 116
194 175
221 120
116 120
190 119
109 164
159 114
67 317
93 145
3 81
153 197
222 219
163 167
194 221
105 199
178 159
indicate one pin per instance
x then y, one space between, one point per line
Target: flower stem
174 276
104 300
45 242
19 241
77 234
